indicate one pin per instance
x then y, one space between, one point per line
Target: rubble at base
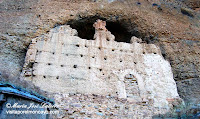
82 106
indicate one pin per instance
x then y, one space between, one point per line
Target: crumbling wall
100 107
65 63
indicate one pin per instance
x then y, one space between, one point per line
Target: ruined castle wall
65 63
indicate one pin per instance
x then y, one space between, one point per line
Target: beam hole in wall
81 55
75 66
57 77
164 55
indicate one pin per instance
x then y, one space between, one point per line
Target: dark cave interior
86 30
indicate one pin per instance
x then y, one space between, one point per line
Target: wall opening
86 30
131 86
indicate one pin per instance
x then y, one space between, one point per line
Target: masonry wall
61 62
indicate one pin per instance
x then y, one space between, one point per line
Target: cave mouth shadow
86 30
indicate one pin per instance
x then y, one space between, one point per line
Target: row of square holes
112 49
57 77
82 56
75 66
99 48
77 45
105 58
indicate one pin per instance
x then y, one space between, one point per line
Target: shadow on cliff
119 28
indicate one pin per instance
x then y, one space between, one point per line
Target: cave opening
84 27
86 30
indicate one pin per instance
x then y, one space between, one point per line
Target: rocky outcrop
186 67
194 4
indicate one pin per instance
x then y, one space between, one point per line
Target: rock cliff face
171 25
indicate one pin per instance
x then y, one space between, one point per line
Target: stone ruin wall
82 106
61 62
